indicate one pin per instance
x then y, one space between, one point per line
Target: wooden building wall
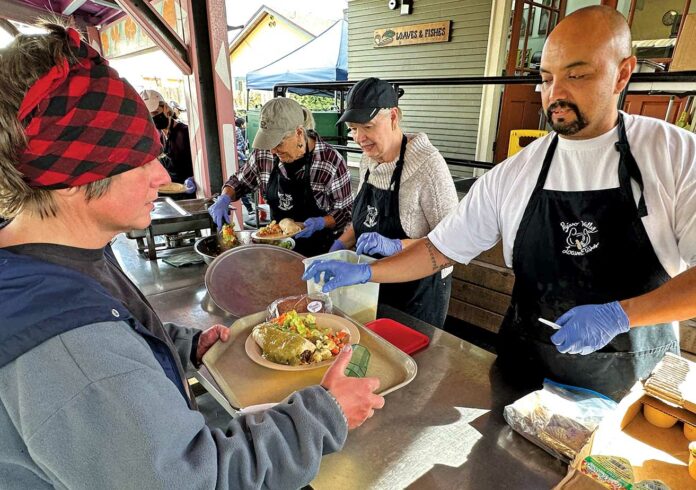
449 115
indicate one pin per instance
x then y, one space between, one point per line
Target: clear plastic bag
305 303
558 418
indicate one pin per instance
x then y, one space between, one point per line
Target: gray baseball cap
152 99
278 116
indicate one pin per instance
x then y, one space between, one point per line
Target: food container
358 301
209 247
304 303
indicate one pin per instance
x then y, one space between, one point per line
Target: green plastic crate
325 124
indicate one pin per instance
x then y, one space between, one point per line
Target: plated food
296 341
273 231
172 188
226 237
289 227
287 243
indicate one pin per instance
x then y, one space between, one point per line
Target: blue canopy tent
323 59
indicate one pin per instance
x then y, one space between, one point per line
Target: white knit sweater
427 192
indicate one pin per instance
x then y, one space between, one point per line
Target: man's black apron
377 210
292 197
576 248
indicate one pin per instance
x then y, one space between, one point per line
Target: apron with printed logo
292 197
576 248
377 210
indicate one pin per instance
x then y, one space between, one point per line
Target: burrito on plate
289 226
282 347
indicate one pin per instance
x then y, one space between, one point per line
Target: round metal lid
247 279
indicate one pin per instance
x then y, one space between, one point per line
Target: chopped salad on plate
294 340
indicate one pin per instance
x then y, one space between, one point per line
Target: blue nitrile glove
190 185
337 245
373 244
311 226
220 210
337 274
587 328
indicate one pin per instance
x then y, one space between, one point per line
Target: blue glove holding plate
587 328
311 226
375 244
337 274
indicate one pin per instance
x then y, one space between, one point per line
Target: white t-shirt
666 157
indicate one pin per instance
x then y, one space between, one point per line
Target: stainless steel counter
443 430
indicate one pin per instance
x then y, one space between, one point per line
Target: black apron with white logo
292 197
377 210
576 248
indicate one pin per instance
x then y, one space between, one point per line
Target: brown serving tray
245 383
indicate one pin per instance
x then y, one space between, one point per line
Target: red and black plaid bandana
84 123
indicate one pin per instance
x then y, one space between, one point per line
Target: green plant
314 102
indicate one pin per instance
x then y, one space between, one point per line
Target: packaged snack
558 418
305 303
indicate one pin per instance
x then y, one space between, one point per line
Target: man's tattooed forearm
433 252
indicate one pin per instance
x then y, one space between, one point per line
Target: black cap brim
359 116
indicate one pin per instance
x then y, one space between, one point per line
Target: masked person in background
93 384
599 212
300 176
405 190
177 145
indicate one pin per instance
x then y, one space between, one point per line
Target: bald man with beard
601 210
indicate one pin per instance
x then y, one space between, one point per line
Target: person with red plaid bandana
300 176
93 390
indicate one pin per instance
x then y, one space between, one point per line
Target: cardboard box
654 453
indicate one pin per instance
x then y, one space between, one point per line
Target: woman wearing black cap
406 189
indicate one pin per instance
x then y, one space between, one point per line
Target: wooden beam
475 316
9 27
487 275
107 3
72 6
482 297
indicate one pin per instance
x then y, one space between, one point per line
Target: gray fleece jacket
91 407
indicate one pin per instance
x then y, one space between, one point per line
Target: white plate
255 235
324 320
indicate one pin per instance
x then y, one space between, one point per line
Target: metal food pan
245 383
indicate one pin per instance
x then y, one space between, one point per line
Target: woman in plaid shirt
299 174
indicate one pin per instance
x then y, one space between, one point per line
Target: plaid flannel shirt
328 176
